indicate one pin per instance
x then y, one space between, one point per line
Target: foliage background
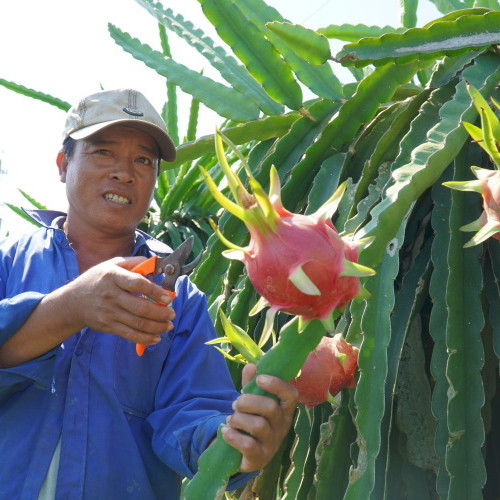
45 44
423 420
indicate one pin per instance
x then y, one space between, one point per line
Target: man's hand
111 299
265 420
101 298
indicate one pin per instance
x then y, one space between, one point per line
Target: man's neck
92 246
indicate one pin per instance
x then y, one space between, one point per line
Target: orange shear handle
145 269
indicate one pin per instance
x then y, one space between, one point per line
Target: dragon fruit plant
300 265
488 181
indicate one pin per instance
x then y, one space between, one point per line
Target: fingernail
165 299
156 339
264 379
224 429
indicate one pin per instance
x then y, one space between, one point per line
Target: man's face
110 179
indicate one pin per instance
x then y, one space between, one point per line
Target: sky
63 48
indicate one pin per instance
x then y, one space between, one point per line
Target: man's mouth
117 198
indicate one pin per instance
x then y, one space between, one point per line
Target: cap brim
165 143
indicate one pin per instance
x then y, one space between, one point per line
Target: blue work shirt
130 426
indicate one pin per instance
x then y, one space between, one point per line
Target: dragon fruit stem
284 360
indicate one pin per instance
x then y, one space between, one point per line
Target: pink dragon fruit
488 181
327 370
488 186
299 264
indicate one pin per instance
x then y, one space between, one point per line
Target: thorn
300 279
355 269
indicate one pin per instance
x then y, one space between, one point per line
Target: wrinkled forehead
121 135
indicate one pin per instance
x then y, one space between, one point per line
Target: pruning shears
172 266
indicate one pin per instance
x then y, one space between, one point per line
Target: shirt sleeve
39 371
196 391
13 313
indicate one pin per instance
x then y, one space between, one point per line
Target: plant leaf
225 101
246 40
320 79
240 340
375 89
409 13
354 32
170 115
306 43
432 156
440 38
446 6
22 214
32 200
35 94
464 344
233 72
441 197
375 318
194 112
266 128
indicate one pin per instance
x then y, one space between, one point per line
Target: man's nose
123 171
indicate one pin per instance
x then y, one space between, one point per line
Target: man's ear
62 165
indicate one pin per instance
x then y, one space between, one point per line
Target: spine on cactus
300 265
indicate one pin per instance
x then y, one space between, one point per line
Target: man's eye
145 161
102 152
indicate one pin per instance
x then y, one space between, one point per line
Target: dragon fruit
488 181
299 264
488 185
327 370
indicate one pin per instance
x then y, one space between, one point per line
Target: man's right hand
107 298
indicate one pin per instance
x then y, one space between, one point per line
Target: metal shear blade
173 265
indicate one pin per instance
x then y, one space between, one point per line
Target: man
81 415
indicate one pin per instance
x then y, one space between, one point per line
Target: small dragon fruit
327 370
488 185
488 181
299 264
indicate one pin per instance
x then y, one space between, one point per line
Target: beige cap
121 106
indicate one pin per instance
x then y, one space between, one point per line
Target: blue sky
62 47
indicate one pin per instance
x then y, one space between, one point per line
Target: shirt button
78 351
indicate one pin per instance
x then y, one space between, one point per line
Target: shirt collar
53 219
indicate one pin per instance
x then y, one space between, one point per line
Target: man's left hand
265 420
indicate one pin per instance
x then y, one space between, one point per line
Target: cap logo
133 112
